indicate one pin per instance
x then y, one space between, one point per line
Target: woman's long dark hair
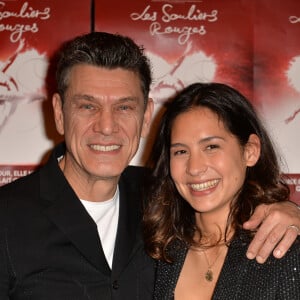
168 216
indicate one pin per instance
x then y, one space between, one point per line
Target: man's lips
104 148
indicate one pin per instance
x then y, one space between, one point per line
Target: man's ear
147 118
58 113
252 150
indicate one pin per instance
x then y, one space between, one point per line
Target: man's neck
90 188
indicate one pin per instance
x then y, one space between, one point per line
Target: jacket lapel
235 267
64 209
128 238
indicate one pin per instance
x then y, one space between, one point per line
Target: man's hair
107 50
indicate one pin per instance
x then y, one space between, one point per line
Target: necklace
209 275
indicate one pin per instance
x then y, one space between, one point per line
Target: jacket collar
64 209
128 238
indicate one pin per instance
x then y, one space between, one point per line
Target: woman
214 163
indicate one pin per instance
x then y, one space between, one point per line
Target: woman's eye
212 147
179 152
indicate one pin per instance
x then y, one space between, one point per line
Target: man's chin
107 177
109 174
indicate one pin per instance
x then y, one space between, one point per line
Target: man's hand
277 226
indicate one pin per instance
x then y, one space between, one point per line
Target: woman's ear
252 150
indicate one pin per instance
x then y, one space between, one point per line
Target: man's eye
87 106
124 107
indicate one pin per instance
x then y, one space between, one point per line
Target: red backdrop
252 45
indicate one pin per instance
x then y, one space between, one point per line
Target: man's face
102 119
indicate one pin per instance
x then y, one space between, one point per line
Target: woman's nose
196 165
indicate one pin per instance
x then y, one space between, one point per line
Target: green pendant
209 275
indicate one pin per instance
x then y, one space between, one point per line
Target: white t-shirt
106 215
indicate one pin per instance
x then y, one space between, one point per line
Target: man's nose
105 122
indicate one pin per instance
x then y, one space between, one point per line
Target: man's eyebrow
128 99
92 98
83 97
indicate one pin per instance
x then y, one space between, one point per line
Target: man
72 229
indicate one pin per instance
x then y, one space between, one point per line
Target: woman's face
208 165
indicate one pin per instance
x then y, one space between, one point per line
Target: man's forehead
106 98
119 82
105 75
